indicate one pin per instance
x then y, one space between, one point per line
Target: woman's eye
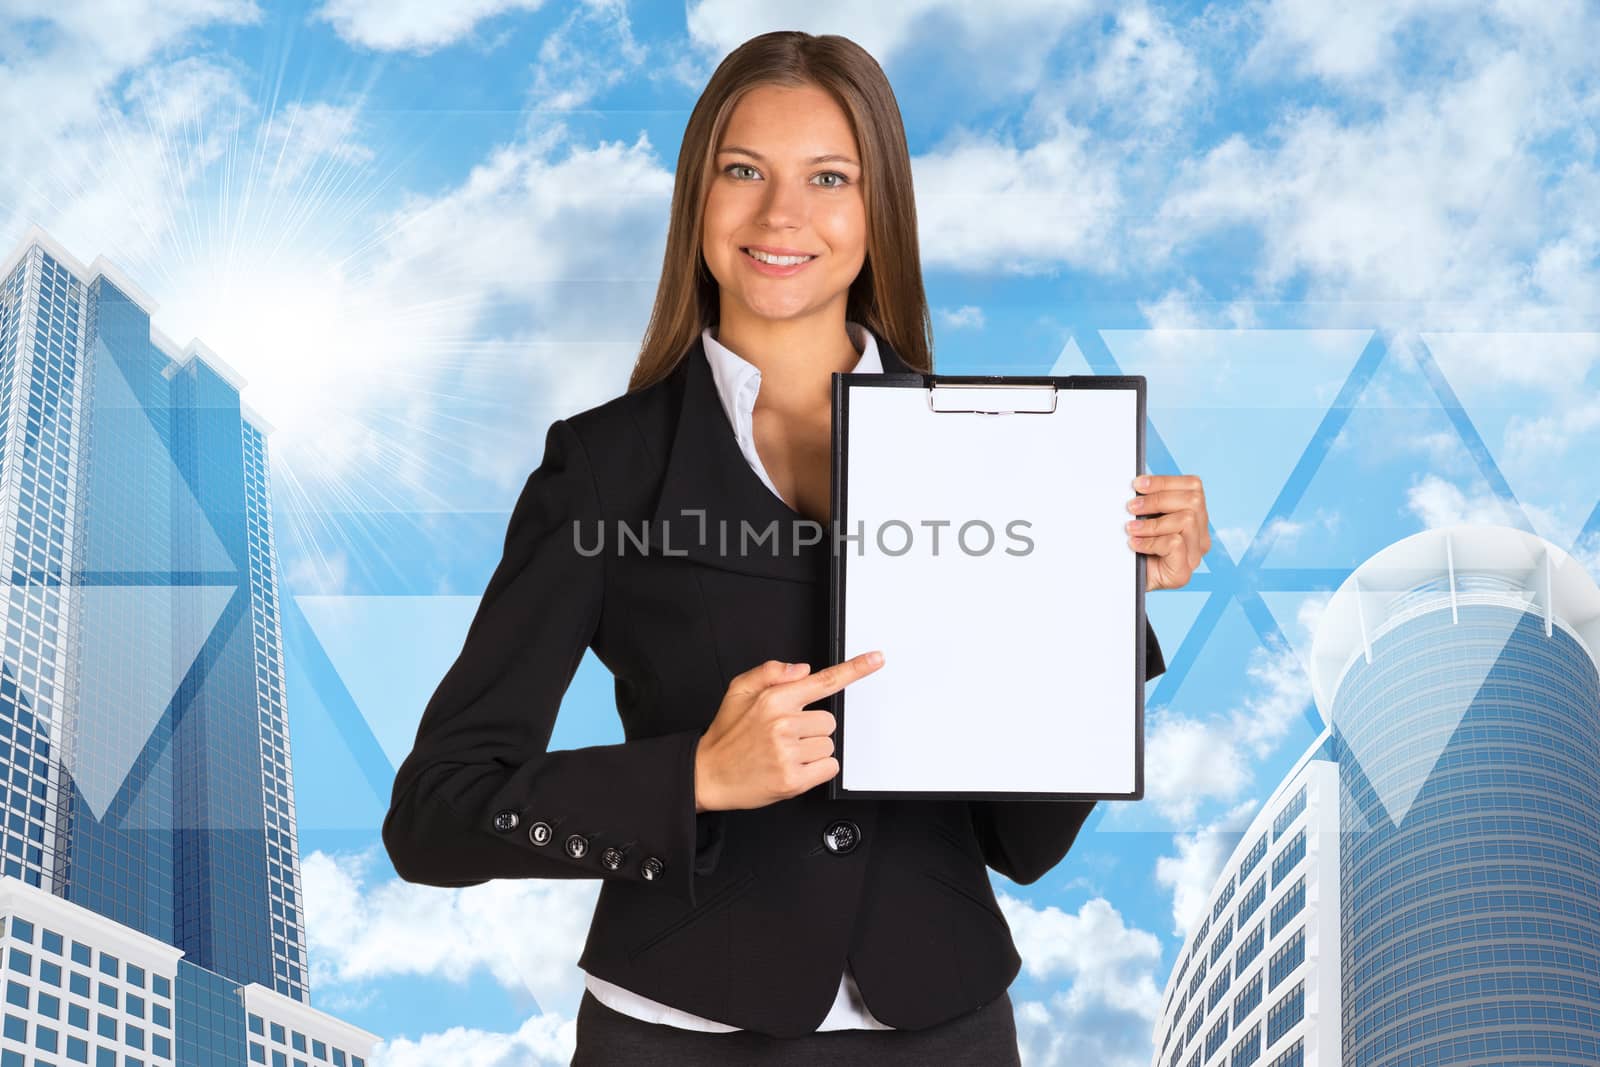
734 168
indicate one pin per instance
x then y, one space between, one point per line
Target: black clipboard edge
842 384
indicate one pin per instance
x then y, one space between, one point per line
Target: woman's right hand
764 746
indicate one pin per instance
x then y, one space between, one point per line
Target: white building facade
1258 982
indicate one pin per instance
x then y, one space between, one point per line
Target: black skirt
986 1037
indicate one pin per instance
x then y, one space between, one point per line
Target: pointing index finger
838 676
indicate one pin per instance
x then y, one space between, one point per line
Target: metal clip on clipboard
1032 399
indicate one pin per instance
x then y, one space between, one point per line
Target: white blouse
738 380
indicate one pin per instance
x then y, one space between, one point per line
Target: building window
1286 959
1248 1050
1292 854
1290 1009
1199 977
1252 899
1224 937
1248 1000
1289 905
1252 858
1295 806
1293 1056
1250 947
1222 901
1218 988
1217 1035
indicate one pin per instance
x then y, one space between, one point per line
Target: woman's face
769 190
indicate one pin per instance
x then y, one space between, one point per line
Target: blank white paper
1003 672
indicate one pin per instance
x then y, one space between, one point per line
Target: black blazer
745 917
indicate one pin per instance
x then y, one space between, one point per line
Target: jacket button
539 833
841 836
650 868
505 820
611 859
577 846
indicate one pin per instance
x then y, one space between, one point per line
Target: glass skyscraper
1457 672
144 740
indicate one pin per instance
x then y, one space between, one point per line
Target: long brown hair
886 296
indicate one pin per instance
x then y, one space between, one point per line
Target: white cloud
359 930
1145 78
987 205
299 135
592 50
1002 45
1548 362
1542 438
1187 307
1309 616
1359 45
1437 204
115 37
966 317
542 1039
1104 1012
1280 533
1192 872
422 371
1437 502
1587 553
104 139
1190 761
418 26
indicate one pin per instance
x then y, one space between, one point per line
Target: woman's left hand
1172 528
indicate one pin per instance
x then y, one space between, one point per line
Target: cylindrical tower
1458 671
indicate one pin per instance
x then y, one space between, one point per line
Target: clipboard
1063 719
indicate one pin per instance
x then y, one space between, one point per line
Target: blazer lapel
714 509
892 363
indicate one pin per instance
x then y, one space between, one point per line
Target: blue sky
1355 254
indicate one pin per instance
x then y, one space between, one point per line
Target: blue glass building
1470 789
144 749
1457 672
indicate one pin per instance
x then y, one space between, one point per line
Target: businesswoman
743 917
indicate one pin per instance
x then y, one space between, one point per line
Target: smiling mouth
758 259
